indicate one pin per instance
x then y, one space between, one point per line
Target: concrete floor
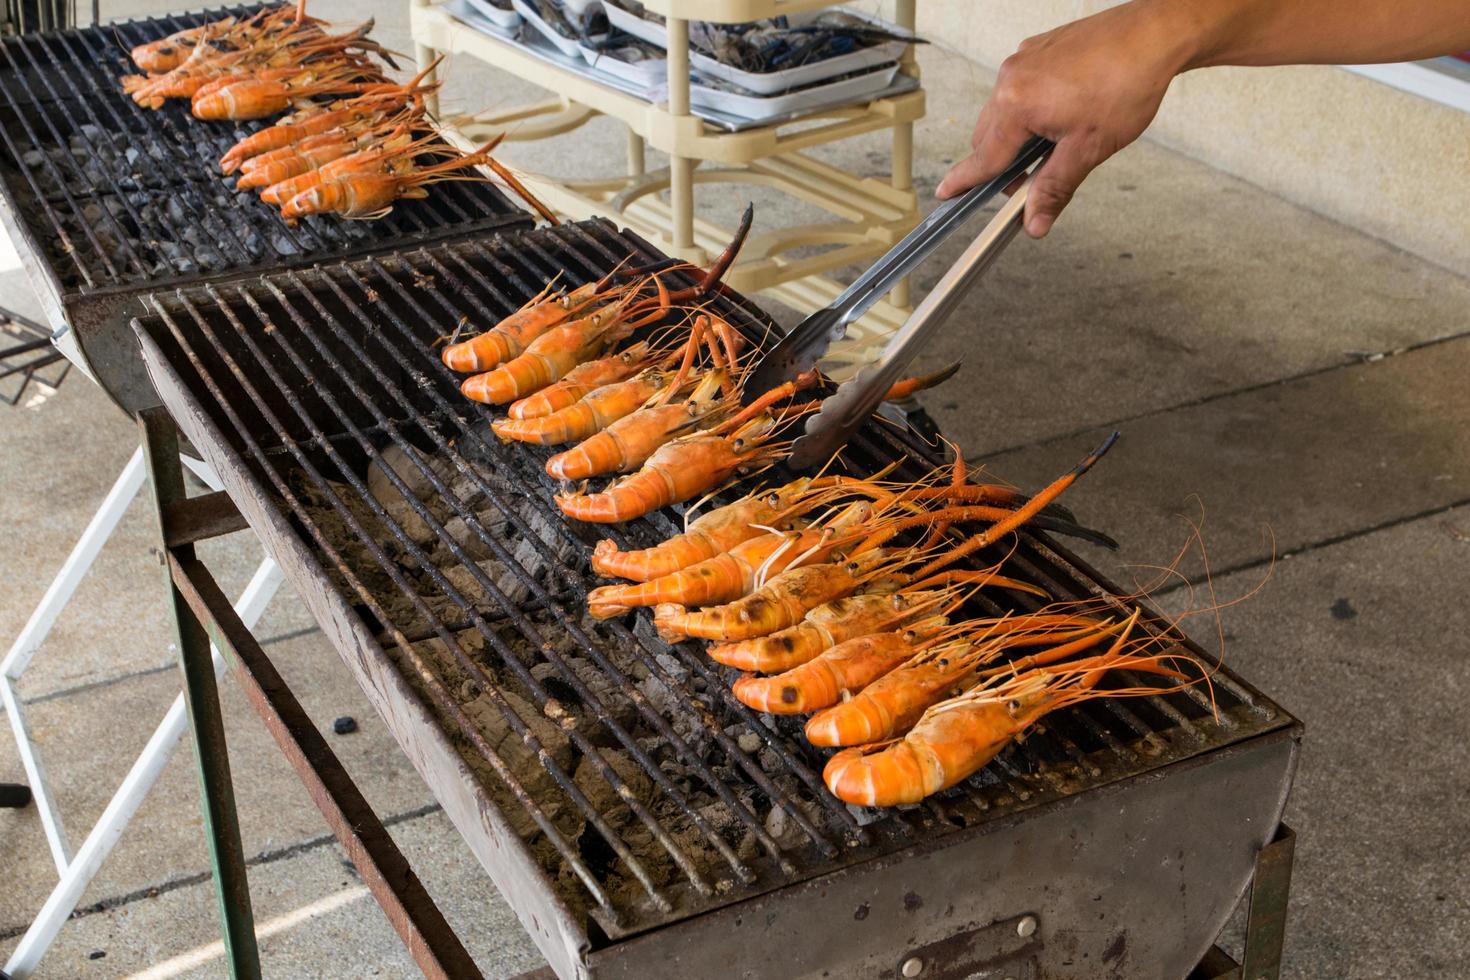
1268 368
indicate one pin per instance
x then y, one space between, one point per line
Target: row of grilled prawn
354 157
667 416
863 636
804 583
255 67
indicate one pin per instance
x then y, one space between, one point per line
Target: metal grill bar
585 643
423 672
314 371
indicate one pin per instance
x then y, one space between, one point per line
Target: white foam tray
568 46
506 19
650 76
769 106
771 82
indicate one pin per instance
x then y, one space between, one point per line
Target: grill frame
87 299
569 940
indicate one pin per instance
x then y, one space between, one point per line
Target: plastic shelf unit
791 264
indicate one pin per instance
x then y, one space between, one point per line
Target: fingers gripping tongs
846 409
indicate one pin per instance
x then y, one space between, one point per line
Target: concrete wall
1392 164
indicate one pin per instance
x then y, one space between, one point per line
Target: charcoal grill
639 819
105 200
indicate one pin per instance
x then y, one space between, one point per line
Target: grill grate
616 755
115 194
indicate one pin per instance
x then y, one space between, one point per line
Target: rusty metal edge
409 908
633 957
201 518
560 935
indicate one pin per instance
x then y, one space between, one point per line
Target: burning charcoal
283 244
209 258
749 742
527 553
749 848
511 747
601 794
386 492
659 697
472 541
33 158
671 666
719 817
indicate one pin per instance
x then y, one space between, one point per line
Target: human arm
1094 85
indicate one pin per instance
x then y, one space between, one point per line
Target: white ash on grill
621 698
128 192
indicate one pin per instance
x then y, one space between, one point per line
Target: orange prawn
553 354
859 660
785 599
256 98
581 381
825 627
166 54
595 412
958 737
730 574
307 155
890 705
509 337
349 117
630 441
708 535
372 195
677 471
849 666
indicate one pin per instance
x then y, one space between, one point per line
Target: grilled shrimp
955 738
889 706
849 666
632 440
730 574
779 603
707 536
580 382
554 353
828 625
682 469
595 412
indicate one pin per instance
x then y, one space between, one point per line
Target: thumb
1054 184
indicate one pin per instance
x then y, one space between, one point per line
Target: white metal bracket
76 870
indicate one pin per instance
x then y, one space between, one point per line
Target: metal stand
1265 923
202 614
77 869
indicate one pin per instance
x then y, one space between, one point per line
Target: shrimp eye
1013 706
852 566
909 637
738 444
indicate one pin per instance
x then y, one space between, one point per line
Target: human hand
1091 87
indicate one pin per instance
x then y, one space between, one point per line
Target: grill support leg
206 720
1265 923
200 605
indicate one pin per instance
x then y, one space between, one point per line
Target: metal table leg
203 614
201 696
1265 924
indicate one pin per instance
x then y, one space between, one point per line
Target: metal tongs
848 407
